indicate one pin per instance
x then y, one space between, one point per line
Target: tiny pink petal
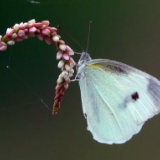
14 35
40 37
66 86
9 32
37 25
59 55
55 38
21 33
52 29
3 46
32 30
48 40
25 30
43 26
72 62
66 56
60 98
45 31
53 33
23 26
11 42
16 27
62 47
38 31
57 87
45 22
31 22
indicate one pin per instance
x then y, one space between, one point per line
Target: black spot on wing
135 96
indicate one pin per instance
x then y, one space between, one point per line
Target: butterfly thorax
85 57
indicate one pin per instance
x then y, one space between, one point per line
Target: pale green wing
117 99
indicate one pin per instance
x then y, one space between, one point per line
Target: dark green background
127 31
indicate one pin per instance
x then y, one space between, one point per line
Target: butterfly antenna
60 28
90 23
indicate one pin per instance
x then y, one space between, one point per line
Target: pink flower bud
45 22
57 95
66 86
61 64
9 32
25 30
48 40
11 42
60 98
55 38
67 78
14 35
54 34
45 31
67 67
31 22
57 87
72 62
64 73
59 55
3 46
16 27
62 47
71 71
32 30
66 56
52 29
21 33
43 26
37 25
60 80
40 37
23 26
71 53
38 31
69 50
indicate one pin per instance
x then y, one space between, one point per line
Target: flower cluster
22 31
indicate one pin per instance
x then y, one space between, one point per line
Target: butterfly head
85 57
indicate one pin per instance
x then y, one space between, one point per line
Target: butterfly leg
73 80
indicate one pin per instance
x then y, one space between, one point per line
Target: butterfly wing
117 99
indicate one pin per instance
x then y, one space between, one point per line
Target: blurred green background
125 31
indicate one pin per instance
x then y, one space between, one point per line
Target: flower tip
61 64
62 47
9 31
16 27
32 21
55 38
11 42
59 55
3 46
46 22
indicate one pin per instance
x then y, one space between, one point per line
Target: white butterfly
116 99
